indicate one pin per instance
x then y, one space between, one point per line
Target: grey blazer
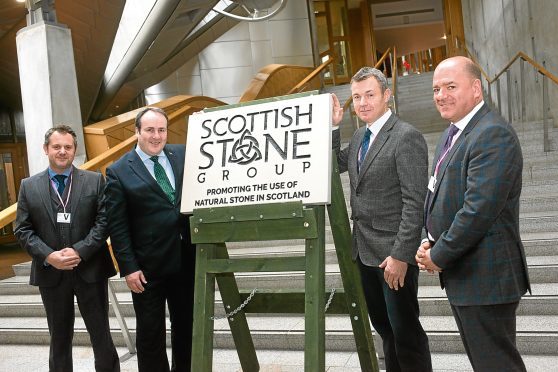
387 195
37 232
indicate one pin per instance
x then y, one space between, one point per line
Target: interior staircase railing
305 83
110 136
121 128
506 70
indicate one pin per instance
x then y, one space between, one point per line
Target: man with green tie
151 241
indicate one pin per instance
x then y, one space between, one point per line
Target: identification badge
432 183
63 217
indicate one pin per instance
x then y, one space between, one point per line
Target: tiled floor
35 359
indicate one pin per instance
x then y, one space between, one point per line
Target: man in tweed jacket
388 173
472 219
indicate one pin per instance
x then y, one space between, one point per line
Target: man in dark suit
61 222
387 162
472 218
151 241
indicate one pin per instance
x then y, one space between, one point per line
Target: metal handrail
522 57
304 82
100 162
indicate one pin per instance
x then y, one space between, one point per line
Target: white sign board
270 152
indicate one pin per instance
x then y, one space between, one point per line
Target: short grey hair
144 111
367 72
62 129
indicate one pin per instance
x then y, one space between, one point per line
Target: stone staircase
22 320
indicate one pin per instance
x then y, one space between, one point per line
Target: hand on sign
337 114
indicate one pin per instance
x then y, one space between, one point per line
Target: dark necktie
451 132
447 144
162 179
61 185
364 147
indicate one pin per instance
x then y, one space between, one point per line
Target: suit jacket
387 195
474 215
37 231
147 231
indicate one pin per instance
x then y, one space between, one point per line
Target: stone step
432 302
538 222
536 335
536 242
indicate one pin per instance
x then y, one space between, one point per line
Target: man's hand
394 272
64 259
337 114
135 281
423 259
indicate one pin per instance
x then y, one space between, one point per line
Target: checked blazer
388 193
474 215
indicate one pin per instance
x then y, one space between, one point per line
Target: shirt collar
461 124
66 172
376 126
143 156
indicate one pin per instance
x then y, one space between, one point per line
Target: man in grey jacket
387 161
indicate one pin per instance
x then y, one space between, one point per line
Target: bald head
464 64
457 87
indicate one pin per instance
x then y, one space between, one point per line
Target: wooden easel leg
237 323
350 275
204 302
314 321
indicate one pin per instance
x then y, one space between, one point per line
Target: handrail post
121 322
394 78
546 144
498 96
508 82
489 85
522 77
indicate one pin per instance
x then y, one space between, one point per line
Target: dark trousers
395 316
92 299
178 292
488 334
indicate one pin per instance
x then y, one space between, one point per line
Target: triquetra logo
246 149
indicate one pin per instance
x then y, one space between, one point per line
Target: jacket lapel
178 170
376 145
76 190
458 143
137 167
44 187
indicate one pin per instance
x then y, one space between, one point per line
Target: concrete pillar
48 88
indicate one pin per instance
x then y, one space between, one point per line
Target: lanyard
64 204
440 161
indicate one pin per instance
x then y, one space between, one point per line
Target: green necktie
162 179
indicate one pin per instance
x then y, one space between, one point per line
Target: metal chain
329 300
249 298
242 305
